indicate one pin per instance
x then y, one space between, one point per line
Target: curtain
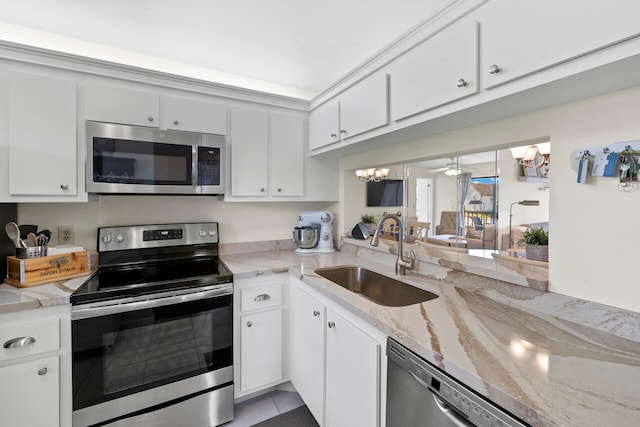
463 189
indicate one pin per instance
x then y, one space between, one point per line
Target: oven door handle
114 307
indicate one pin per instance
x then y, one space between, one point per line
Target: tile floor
263 407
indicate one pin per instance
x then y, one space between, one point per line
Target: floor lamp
523 203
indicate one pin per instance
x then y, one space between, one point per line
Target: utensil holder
31 252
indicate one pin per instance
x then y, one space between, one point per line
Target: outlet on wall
66 235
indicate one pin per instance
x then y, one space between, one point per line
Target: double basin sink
381 289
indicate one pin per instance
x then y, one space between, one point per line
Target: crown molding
66 61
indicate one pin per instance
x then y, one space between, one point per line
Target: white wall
593 228
239 222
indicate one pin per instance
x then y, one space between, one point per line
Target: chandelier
372 174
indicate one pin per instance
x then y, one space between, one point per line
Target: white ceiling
294 46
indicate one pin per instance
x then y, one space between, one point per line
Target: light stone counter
549 359
47 295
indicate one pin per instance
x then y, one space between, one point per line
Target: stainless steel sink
377 287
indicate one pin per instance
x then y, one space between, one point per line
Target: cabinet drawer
261 297
28 338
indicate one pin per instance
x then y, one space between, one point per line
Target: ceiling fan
452 168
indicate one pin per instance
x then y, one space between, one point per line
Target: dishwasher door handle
444 407
456 418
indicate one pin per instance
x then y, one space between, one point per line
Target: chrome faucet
402 264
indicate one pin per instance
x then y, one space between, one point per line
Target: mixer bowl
306 237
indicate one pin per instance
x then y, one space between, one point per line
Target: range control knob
119 238
212 232
202 233
106 238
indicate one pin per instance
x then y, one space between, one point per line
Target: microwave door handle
194 165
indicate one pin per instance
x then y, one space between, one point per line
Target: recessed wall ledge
436 261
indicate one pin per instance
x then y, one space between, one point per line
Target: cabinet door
308 351
194 116
442 69
261 349
42 136
120 105
323 125
287 155
249 152
521 37
363 107
29 395
353 375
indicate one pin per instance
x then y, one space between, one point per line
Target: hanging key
624 171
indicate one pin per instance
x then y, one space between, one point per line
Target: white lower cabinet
29 393
338 363
260 336
261 344
35 368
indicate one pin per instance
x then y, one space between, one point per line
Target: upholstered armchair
447 223
481 238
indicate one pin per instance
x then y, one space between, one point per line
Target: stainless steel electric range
152 330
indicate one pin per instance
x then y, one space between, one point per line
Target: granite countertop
549 359
47 295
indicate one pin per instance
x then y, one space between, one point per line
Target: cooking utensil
13 231
28 243
33 238
43 237
25 229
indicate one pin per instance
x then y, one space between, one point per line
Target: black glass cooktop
148 271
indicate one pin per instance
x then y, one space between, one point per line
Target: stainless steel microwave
123 159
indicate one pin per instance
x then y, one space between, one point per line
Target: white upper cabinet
324 125
249 152
42 136
522 37
193 115
112 104
363 107
267 154
287 155
440 70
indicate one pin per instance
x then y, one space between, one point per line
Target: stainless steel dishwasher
420 395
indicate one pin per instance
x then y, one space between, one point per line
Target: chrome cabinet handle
279 190
150 118
343 131
64 186
19 342
42 371
331 324
262 297
262 190
494 69
461 83
249 324
316 313
334 136
175 122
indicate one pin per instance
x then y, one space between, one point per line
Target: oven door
143 354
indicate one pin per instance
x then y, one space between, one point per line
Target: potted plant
537 240
369 221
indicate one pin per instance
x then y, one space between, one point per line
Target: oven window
146 163
125 353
